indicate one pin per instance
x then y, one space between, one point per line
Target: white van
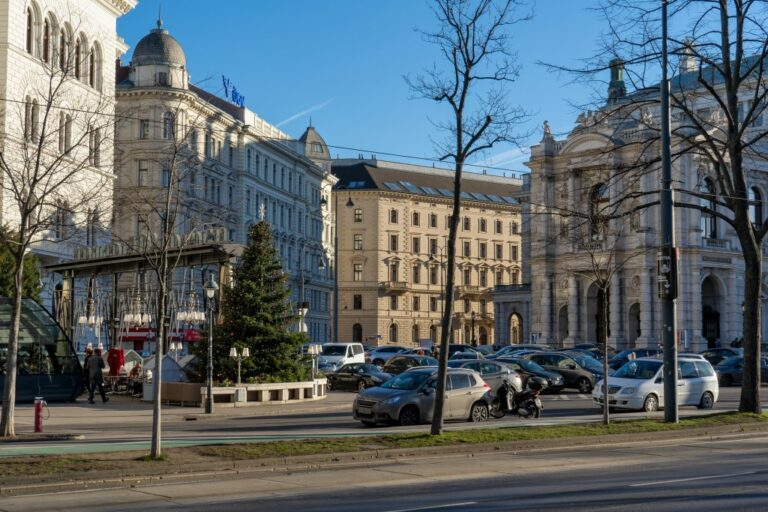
639 385
335 355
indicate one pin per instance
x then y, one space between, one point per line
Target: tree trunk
7 424
606 412
157 377
750 387
437 416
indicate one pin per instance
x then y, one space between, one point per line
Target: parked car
335 355
381 355
400 363
639 385
730 371
592 351
466 355
492 372
356 377
622 357
527 369
458 347
512 349
409 398
486 350
578 371
716 355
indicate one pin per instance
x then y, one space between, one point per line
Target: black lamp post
210 288
474 341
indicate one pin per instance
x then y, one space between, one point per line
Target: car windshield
334 350
530 365
731 361
589 362
642 370
368 368
623 354
407 380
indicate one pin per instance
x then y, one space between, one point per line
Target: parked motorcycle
526 403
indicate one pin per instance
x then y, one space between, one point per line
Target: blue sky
342 63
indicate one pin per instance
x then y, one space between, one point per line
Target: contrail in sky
305 112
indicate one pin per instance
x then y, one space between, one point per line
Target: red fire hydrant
39 404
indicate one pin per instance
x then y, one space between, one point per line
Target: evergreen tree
31 276
256 314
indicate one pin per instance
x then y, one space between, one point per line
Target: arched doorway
483 338
357 333
711 305
393 333
562 324
597 317
633 324
515 328
415 334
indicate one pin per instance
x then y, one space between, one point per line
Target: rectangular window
142 179
514 253
357 272
143 128
357 302
499 277
393 242
467 249
416 218
358 215
483 250
416 245
433 246
498 227
514 277
231 156
393 302
467 306
483 278
433 274
416 303
482 225
467 224
433 220
358 242
166 177
499 251
513 228
248 201
433 304
467 277
231 197
393 272
416 275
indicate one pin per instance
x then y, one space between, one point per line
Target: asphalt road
696 475
126 425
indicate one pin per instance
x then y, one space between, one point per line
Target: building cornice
118 7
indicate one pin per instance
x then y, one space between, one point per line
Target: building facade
392 222
597 168
56 81
230 167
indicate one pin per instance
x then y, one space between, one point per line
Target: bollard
39 404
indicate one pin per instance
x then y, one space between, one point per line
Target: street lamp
210 292
239 356
174 348
474 341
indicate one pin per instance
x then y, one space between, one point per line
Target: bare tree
473 38
54 178
719 130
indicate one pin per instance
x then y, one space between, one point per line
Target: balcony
393 287
716 243
469 291
526 287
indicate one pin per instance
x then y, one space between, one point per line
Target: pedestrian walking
86 379
94 369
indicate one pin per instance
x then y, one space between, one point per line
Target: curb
309 463
27 438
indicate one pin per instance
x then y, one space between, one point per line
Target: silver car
409 398
492 372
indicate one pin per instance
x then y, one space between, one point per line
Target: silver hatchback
409 398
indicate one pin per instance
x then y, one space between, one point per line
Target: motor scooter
526 403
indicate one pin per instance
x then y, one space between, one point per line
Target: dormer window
162 78
317 147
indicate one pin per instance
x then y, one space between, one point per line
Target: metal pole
667 275
239 360
336 267
209 384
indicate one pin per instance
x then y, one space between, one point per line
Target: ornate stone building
600 167
392 227
233 168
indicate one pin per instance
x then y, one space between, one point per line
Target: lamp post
336 251
174 348
239 356
210 288
474 341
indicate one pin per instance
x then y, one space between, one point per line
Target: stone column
647 282
574 336
616 339
571 201
546 310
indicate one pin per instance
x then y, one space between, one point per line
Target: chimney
616 88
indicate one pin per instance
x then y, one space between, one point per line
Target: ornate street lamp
210 292
239 356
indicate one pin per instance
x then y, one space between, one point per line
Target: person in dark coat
86 379
94 368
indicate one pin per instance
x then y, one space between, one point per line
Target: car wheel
409 416
707 401
479 412
651 403
361 385
378 362
583 385
727 380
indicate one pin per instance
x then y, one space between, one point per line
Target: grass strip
187 459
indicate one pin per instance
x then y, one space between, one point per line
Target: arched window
393 216
30 31
92 67
63 50
708 220
78 59
35 121
755 205
357 333
168 125
62 123
415 334
68 133
416 218
27 118
47 41
597 202
393 333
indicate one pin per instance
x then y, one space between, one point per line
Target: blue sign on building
231 93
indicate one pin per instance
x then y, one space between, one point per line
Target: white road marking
661 482
434 507
563 397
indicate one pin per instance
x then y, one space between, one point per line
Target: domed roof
158 47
